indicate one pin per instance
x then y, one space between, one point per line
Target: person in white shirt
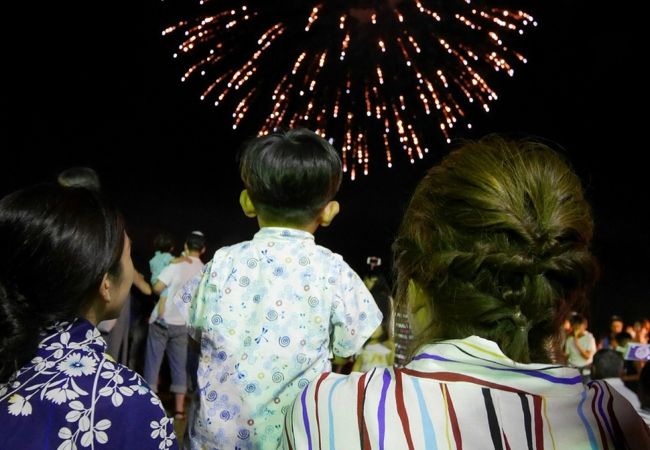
580 346
167 324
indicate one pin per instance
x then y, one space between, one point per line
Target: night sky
94 84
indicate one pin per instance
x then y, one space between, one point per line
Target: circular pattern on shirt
276 400
216 319
225 415
257 298
243 434
303 261
222 356
212 396
301 358
288 260
278 271
303 342
331 280
251 263
313 301
278 303
277 377
261 375
318 319
227 290
362 316
284 409
250 387
271 244
186 297
250 422
306 287
244 356
232 332
284 341
272 315
244 281
302 383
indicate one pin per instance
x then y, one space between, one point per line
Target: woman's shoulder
346 385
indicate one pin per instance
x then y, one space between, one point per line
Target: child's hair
577 319
163 242
195 241
291 175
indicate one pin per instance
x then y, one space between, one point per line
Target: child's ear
246 204
329 213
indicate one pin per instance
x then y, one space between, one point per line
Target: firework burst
380 77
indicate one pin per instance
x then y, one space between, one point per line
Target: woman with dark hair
65 266
492 253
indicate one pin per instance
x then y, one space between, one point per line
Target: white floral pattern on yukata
76 396
269 313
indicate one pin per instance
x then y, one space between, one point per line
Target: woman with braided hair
492 254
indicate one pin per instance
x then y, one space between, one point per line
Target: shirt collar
78 333
282 233
480 359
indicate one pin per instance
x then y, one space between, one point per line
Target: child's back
269 306
269 313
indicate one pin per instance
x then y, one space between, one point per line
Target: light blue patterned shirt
157 263
269 313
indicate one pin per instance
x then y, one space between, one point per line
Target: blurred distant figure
615 327
580 346
164 246
644 394
608 366
168 324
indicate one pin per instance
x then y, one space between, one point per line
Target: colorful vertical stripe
457 398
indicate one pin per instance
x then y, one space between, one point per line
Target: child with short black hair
270 312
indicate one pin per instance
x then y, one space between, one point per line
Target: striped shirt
462 394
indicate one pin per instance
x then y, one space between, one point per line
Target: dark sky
94 84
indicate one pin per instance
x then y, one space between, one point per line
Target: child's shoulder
231 250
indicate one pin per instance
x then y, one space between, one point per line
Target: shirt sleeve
204 292
355 315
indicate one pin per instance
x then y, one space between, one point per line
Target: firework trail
382 75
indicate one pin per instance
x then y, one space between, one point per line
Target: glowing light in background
375 77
